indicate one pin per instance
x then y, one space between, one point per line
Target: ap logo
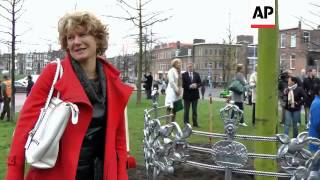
262 13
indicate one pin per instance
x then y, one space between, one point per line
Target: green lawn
136 119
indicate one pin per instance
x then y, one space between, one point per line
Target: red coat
71 90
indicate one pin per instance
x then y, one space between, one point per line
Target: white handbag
42 146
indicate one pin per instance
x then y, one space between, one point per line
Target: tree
141 21
267 94
228 58
13 9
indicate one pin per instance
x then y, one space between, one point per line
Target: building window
206 52
293 61
283 40
211 51
293 40
306 36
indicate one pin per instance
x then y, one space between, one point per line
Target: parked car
225 93
24 80
20 87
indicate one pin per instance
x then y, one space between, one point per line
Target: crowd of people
296 93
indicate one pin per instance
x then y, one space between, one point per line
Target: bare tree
13 12
141 21
228 57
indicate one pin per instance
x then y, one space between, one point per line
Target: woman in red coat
95 148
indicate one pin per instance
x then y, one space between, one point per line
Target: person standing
294 97
6 93
191 81
236 97
314 128
94 148
203 89
30 84
163 87
253 84
174 88
308 85
148 84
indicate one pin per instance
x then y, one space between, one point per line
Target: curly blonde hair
175 61
71 21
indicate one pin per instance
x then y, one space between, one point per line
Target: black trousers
194 104
240 106
148 92
6 108
253 113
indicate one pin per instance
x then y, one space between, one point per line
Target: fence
166 146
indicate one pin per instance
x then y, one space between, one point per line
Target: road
20 99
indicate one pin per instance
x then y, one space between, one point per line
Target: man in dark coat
30 84
148 84
308 85
191 81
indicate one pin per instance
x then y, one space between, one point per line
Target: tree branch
125 11
5 17
123 18
6 32
314 13
156 21
129 6
304 21
21 5
19 16
5 8
5 27
153 16
313 4
146 3
24 32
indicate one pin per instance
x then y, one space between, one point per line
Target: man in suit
191 82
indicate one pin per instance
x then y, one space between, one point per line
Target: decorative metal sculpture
299 162
229 153
166 146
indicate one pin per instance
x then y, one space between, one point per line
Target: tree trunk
140 57
267 96
13 48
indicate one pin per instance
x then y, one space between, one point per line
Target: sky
189 19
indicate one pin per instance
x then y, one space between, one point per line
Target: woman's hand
178 92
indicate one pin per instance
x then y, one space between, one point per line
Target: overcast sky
207 19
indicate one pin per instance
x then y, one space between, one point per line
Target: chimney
299 25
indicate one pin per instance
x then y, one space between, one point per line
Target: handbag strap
58 74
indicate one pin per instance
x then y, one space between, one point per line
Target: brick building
299 49
163 54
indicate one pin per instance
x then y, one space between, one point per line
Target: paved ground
20 98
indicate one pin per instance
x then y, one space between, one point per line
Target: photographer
283 84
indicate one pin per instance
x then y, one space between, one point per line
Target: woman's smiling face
81 44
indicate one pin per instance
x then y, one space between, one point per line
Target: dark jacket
299 98
308 84
29 86
148 82
188 93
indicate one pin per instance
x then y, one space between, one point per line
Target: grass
136 121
